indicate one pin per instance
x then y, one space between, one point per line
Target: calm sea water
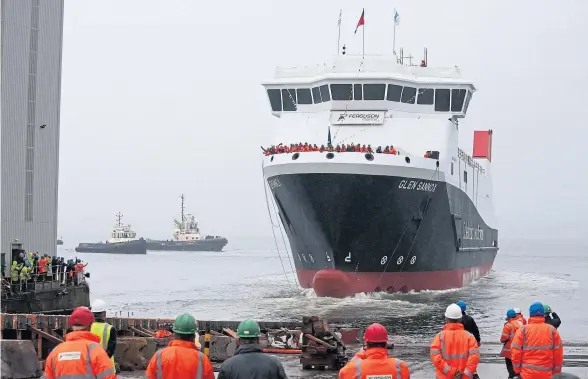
250 283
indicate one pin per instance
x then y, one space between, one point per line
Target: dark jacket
470 325
553 319
250 362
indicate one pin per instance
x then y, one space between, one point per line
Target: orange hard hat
81 316
376 333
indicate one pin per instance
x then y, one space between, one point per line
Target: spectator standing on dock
373 361
249 360
181 358
520 316
468 322
551 317
81 354
454 351
537 350
102 329
508 333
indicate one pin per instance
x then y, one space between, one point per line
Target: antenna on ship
339 36
118 218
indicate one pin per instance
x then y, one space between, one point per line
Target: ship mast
118 218
183 217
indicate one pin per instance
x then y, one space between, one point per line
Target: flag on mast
396 17
360 22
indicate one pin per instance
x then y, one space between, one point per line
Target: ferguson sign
357 117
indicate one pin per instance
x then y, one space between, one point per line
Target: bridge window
316 95
341 92
394 92
408 95
374 91
275 99
357 92
303 95
442 100
467 100
325 95
457 98
426 96
289 99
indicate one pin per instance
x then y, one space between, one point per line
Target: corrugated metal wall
32 36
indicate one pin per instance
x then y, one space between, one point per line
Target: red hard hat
81 316
376 333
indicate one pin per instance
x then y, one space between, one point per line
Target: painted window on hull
357 92
325 94
303 96
275 99
316 95
394 93
442 100
426 96
457 99
465 176
289 99
408 95
341 92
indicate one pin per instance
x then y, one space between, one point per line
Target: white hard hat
453 312
98 306
517 310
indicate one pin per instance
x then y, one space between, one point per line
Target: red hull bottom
336 283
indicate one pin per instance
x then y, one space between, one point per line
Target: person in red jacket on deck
536 350
454 352
373 360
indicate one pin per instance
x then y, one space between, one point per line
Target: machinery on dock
321 348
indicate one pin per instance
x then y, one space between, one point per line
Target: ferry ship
421 218
123 240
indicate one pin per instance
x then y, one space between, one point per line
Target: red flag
360 22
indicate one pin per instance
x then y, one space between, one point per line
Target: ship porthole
295 156
272 159
378 289
407 160
404 289
369 156
330 155
390 289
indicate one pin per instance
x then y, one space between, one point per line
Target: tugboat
123 241
59 241
415 216
187 237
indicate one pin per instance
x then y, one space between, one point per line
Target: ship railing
470 161
38 282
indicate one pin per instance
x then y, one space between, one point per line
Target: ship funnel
483 144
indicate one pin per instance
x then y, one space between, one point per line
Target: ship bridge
376 83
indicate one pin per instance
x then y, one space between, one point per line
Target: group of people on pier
533 350
339 148
26 269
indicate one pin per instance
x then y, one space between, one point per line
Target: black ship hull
132 247
210 244
47 298
352 233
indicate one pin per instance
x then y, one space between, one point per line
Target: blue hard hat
462 305
536 309
27 263
511 313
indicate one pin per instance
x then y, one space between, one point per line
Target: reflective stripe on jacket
508 333
454 349
536 350
79 357
180 359
102 331
374 362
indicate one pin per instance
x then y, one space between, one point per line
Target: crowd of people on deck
28 268
339 148
532 349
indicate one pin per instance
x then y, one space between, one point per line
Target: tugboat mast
118 218
183 217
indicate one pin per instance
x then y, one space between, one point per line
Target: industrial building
30 66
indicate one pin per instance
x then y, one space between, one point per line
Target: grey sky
161 98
